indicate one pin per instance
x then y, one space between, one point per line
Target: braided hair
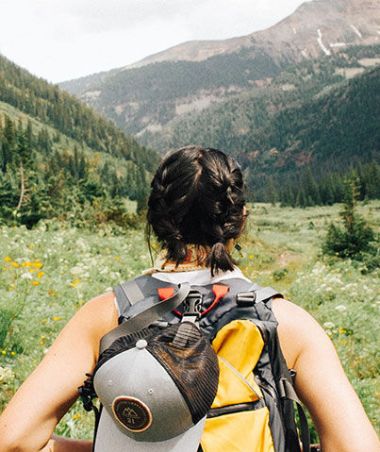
197 197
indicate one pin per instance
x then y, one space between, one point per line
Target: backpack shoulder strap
256 294
127 294
143 313
264 294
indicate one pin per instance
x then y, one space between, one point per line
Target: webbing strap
127 294
305 434
144 314
265 293
287 391
132 291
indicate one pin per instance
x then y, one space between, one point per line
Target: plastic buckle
193 306
246 298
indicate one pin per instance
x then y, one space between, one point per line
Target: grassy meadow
47 273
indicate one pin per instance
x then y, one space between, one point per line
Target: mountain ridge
224 99
145 98
199 50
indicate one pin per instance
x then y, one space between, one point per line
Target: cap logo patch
132 413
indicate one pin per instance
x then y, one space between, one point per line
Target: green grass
47 273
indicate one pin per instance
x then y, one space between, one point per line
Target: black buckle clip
193 304
246 299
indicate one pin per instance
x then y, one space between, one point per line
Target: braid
168 204
197 197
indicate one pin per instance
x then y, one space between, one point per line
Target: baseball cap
155 390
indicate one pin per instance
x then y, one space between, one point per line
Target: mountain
307 150
144 98
316 27
58 156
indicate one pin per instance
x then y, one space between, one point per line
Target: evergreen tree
356 236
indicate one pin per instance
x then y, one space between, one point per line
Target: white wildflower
81 244
341 308
77 270
6 374
329 325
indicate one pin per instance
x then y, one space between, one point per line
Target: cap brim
109 437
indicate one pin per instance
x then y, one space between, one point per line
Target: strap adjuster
246 299
193 305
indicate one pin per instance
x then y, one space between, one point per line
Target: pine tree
356 236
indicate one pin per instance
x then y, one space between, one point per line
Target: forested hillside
57 156
316 131
296 103
145 98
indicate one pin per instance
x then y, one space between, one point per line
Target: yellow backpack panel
238 345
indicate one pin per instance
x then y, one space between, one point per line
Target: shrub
356 237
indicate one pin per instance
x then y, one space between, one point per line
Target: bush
355 238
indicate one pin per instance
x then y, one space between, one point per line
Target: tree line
44 174
56 108
303 189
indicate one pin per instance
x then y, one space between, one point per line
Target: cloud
63 39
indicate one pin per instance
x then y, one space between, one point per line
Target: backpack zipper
236 408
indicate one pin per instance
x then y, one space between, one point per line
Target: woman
196 210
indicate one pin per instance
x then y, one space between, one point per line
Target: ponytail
176 249
219 258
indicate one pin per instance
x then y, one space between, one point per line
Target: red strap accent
219 292
165 292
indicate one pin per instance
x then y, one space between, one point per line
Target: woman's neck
195 260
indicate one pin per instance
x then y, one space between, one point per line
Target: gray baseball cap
156 392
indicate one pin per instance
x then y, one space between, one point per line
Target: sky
65 39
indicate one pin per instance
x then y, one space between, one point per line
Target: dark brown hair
197 197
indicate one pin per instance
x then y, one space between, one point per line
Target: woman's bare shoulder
297 329
99 314
321 382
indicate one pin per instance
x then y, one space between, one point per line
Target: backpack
253 409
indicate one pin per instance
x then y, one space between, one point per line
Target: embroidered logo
132 413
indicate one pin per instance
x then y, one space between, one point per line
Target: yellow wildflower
75 282
42 340
250 256
26 264
15 264
3 352
7 259
40 274
35 283
76 417
13 353
37 264
56 318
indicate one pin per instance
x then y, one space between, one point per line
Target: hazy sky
64 39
